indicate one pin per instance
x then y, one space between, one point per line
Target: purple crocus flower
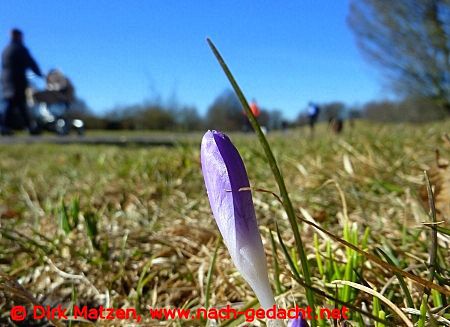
225 174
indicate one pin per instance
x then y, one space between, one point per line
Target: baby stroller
49 108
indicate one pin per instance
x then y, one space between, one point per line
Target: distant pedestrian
255 108
16 59
313 115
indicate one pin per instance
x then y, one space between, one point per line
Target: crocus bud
225 176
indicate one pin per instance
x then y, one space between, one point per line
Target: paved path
93 140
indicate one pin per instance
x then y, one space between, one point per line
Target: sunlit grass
135 224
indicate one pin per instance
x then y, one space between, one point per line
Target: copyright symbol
18 313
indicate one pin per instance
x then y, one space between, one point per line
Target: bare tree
225 113
410 40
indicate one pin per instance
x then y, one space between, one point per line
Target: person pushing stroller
16 60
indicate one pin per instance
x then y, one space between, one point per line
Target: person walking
16 60
256 112
313 115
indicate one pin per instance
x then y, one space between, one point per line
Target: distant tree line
225 113
417 109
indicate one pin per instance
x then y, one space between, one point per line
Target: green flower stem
287 204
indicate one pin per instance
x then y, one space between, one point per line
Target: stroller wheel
62 127
78 126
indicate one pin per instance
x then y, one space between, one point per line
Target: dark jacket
16 59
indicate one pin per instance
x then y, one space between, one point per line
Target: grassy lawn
132 227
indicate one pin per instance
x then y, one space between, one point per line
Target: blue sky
283 53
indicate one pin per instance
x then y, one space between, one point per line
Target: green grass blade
210 273
443 230
64 218
433 246
382 315
91 220
142 281
437 299
423 312
276 266
287 204
401 281
74 212
318 257
287 255
329 267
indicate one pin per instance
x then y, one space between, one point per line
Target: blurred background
146 65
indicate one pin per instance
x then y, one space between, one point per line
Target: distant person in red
16 59
255 111
255 108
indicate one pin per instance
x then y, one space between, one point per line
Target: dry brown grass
156 235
